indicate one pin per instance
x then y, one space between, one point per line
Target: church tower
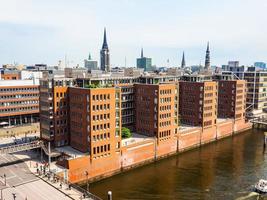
104 55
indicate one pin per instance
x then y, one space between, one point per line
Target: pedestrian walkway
21 181
41 171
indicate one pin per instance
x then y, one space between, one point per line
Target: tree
125 132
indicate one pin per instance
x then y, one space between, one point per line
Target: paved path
22 181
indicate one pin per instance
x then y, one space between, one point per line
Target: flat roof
73 153
17 82
136 138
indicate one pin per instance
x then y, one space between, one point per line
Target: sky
38 31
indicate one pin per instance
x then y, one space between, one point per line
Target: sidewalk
32 166
60 186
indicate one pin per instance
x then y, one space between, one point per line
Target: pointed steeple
183 61
207 59
142 53
105 44
89 57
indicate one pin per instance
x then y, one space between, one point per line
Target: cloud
235 28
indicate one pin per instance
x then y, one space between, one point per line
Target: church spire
207 60
105 44
104 55
183 61
142 53
89 57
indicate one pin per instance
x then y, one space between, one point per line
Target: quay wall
149 151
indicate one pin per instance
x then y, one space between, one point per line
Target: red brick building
232 99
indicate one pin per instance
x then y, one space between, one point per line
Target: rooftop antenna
65 60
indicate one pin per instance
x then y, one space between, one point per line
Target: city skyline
44 32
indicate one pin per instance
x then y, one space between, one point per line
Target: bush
125 132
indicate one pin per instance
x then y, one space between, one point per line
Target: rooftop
136 138
17 82
73 153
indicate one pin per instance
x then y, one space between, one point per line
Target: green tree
125 132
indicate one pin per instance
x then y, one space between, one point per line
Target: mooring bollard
109 195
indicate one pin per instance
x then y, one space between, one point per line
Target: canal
226 169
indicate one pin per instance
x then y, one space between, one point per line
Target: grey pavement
22 183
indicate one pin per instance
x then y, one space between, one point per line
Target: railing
82 191
20 147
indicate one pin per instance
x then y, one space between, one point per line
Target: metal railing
20 147
53 177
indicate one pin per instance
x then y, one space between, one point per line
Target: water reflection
221 170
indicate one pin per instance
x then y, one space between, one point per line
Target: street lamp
5 178
87 184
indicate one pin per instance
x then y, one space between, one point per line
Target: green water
226 169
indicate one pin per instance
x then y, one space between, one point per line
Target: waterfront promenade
19 179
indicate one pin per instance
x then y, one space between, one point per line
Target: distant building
104 55
90 64
233 66
144 62
183 65
157 110
261 65
197 103
256 91
207 58
10 74
19 102
231 99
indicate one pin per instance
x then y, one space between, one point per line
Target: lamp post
87 184
5 179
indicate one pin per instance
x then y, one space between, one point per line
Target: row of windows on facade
61 94
21 109
207 108
61 131
100 127
126 105
127 112
61 103
127 98
167 107
127 120
164 116
101 97
239 91
127 90
166 123
208 123
63 113
61 122
209 88
164 133
165 100
19 96
99 137
63 83
101 117
208 94
101 149
18 103
30 89
163 92
101 107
